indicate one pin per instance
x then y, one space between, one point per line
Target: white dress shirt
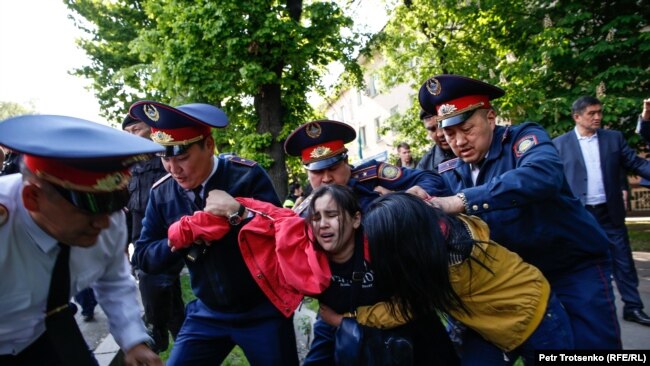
591 156
27 256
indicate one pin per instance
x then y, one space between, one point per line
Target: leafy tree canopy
11 109
257 60
545 54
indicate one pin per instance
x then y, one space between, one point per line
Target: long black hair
410 254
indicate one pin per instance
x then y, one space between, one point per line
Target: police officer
230 308
62 230
9 162
321 146
512 178
164 310
440 151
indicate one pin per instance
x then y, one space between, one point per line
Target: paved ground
634 336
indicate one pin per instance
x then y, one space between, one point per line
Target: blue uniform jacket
523 195
371 174
220 278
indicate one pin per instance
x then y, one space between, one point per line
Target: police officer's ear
31 195
491 116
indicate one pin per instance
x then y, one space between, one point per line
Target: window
393 111
378 128
359 97
362 136
372 88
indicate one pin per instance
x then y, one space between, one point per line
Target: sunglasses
95 202
175 150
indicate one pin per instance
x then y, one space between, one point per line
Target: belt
595 207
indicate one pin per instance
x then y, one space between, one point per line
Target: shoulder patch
389 172
448 165
524 144
161 180
4 214
242 161
365 174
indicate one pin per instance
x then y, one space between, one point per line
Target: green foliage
258 60
11 109
545 54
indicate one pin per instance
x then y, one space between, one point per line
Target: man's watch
236 217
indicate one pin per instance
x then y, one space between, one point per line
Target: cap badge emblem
446 109
313 130
320 151
151 112
161 137
110 182
433 86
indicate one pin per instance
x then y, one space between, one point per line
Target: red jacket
275 245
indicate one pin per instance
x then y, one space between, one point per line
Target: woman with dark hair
335 219
431 262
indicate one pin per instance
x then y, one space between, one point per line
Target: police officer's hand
220 203
141 354
419 192
381 190
450 205
645 115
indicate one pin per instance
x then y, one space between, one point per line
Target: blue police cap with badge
453 99
177 128
320 144
86 162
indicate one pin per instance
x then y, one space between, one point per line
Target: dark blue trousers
588 297
627 280
208 336
86 299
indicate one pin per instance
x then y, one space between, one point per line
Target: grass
639 232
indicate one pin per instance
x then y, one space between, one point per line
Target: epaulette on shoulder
303 205
448 165
161 180
363 174
506 134
242 161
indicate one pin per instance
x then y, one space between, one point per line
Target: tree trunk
269 109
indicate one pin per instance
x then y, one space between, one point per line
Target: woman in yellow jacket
432 262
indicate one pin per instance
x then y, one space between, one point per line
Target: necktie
61 327
198 199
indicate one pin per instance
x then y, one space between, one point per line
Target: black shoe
637 316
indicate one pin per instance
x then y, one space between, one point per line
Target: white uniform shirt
27 256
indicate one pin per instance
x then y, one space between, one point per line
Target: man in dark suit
594 161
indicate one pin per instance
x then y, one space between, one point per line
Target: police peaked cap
453 98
